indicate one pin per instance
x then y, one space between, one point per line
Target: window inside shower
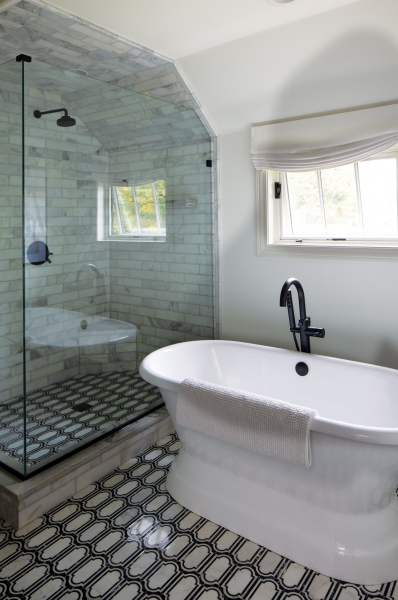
138 211
85 166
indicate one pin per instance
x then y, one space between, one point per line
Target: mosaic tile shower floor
63 414
125 538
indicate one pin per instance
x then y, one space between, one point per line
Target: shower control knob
38 253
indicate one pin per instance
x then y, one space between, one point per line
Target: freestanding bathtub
338 517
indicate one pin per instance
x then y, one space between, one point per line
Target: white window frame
106 199
269 242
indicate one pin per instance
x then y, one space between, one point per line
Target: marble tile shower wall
10 242
166 288
61 209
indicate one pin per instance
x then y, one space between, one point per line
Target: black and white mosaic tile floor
125 538
63 414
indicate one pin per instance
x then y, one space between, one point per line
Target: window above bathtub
133 211
337 200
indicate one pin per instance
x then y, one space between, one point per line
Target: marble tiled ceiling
69 43
148 104
118 118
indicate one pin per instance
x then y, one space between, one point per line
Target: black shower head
65 121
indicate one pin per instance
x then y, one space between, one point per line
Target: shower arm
39 113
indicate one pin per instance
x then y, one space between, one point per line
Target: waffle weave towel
257 423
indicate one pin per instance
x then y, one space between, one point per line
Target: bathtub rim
360 433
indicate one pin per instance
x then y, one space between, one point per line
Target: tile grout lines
61 415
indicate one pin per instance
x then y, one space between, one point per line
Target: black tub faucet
304 325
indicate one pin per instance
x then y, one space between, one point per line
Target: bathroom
207 92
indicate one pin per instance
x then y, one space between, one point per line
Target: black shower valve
38 253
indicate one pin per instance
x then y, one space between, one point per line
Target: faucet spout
300 292
91 267
303 327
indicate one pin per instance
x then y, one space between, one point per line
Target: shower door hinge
23 58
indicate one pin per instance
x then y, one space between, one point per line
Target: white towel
263 425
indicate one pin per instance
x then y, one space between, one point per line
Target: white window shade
317 143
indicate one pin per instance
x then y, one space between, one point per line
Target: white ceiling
178 28
340 59
248 61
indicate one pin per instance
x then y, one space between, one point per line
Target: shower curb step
21 502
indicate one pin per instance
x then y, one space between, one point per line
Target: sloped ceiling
341 59
179 28
119 118
68 43
131 97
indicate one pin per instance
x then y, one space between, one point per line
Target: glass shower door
106 254
12 382
81 380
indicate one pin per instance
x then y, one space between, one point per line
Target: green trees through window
353 201
139 210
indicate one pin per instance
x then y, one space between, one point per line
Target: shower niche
106 237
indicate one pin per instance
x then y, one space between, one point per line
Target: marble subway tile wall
61 209
166 288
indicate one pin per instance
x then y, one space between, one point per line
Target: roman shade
324 142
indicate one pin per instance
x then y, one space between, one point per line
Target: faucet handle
318 332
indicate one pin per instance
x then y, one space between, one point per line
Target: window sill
137 238
319 250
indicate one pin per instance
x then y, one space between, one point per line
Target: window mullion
286 188
155 200
321 201
115 201
137 212
359 198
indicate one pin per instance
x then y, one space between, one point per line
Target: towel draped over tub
257 423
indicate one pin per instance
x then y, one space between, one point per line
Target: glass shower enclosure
106 237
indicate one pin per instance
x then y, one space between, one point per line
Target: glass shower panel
98 297
12 422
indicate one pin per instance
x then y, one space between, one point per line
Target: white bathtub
340 516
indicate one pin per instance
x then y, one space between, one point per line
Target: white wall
356 301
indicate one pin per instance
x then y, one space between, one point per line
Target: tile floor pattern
62 414
125 538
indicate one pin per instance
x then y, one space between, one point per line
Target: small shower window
138 211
